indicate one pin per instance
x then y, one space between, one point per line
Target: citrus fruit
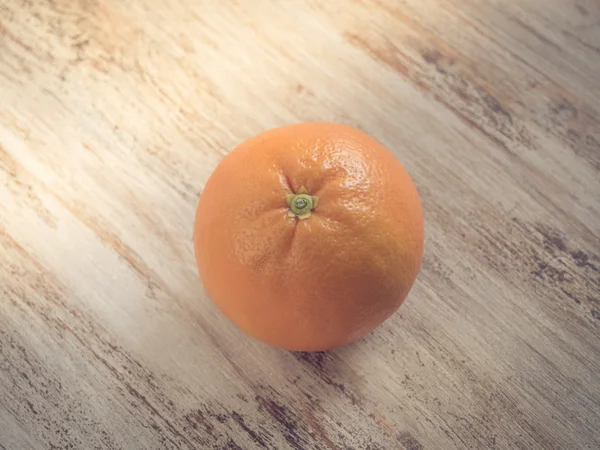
309 236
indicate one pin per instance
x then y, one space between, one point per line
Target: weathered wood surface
112 116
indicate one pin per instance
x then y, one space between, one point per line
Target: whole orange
309 236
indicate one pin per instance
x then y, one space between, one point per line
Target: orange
309 236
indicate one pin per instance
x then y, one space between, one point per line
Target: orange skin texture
317 283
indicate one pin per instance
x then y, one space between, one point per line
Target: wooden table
113 115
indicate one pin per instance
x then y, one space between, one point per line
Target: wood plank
115 113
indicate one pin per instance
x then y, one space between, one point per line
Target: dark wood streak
317 362
534 32
409 442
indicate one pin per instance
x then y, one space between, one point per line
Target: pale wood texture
113 115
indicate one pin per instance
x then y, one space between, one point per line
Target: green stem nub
301 204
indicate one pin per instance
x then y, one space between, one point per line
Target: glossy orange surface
324 281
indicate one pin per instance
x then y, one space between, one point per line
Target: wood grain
113 115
